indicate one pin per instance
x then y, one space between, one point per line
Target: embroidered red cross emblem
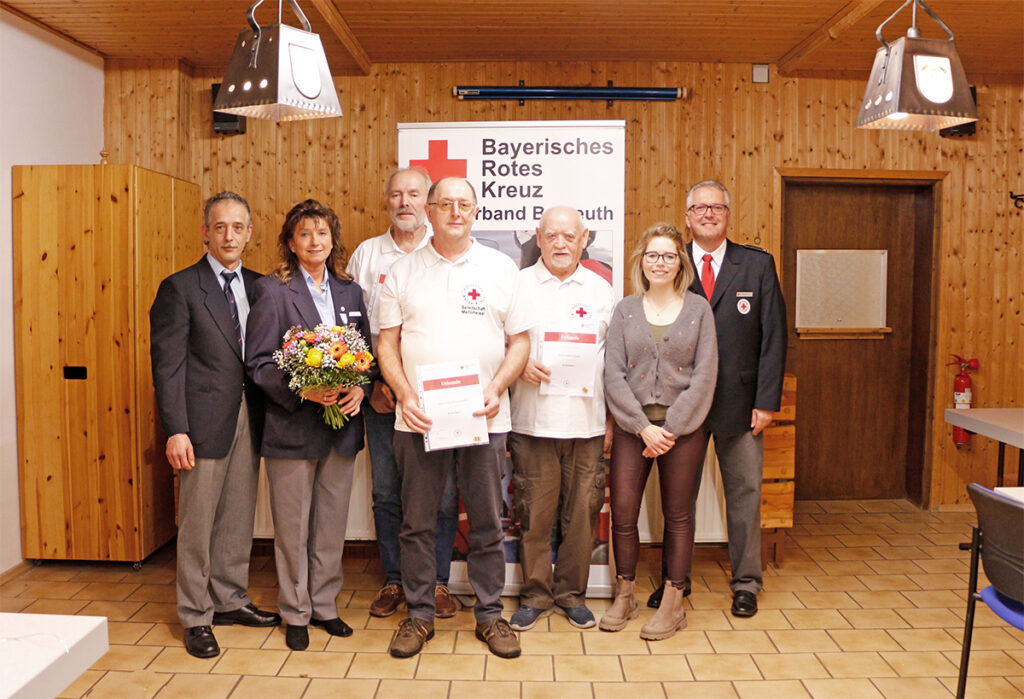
581 311
473 294
437 163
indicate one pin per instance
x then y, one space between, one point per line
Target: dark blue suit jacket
294 428
197 364
750 321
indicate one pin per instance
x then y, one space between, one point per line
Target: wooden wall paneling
37 363
797 122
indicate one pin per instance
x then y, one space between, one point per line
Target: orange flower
338 349
309 337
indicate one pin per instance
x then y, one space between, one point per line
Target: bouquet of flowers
325 357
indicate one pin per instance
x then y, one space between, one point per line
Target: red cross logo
581 312
437 164
473 294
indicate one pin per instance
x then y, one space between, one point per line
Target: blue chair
999 539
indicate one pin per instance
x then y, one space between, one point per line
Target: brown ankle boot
623 608
669 618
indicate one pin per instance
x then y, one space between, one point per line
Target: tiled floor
869 603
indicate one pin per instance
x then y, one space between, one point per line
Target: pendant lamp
278 72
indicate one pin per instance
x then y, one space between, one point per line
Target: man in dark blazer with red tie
213 422
743 288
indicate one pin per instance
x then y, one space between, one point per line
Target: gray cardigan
678 372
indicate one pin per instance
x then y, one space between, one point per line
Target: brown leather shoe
499 637
410 637
445 605
388 600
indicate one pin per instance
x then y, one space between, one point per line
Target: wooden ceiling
802 37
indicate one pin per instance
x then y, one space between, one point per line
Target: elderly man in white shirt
406 201
559 429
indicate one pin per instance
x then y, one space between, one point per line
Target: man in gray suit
213 421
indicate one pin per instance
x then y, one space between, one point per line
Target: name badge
744 294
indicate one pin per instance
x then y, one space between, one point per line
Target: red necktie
707 277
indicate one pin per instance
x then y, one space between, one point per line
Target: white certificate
450 392
571 355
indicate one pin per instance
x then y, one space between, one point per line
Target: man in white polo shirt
558 422
406 200
453 299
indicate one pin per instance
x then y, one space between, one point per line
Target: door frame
781 176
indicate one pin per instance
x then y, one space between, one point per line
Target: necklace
667 312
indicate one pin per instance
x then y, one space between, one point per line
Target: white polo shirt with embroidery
454 310
583 302
369 267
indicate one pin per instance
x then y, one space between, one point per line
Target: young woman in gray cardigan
661 360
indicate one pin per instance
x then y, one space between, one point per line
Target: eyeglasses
701 209
653 257
447 205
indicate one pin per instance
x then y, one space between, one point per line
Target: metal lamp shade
279 74
922 87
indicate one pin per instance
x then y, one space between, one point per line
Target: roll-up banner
519 169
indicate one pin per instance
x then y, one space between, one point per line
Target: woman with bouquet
309 463
661 363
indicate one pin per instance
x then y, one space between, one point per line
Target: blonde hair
684 277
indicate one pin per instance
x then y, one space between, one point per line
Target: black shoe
296 637
199 642
744 603
248 615
654 601
335 627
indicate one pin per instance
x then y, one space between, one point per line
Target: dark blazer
197 364
751 345
295 428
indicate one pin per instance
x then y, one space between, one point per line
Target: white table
1015 493
1005 425
41 654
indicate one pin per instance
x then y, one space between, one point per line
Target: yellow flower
337 329
346 359
314 357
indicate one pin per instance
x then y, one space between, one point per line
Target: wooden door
861 420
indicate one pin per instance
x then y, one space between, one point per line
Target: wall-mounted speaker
226 123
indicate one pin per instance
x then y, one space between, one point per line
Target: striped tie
230 296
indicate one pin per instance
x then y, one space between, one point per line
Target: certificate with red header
571 355
450 392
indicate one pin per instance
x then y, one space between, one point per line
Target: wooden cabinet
91 245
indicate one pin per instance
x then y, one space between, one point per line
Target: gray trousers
565 476
216 508
309 500
478 474
741 462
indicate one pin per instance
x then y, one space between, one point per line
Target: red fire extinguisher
962 393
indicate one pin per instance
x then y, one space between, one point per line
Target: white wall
51 112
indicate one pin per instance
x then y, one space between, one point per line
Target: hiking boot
410 637
445 605
499 637
388 600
